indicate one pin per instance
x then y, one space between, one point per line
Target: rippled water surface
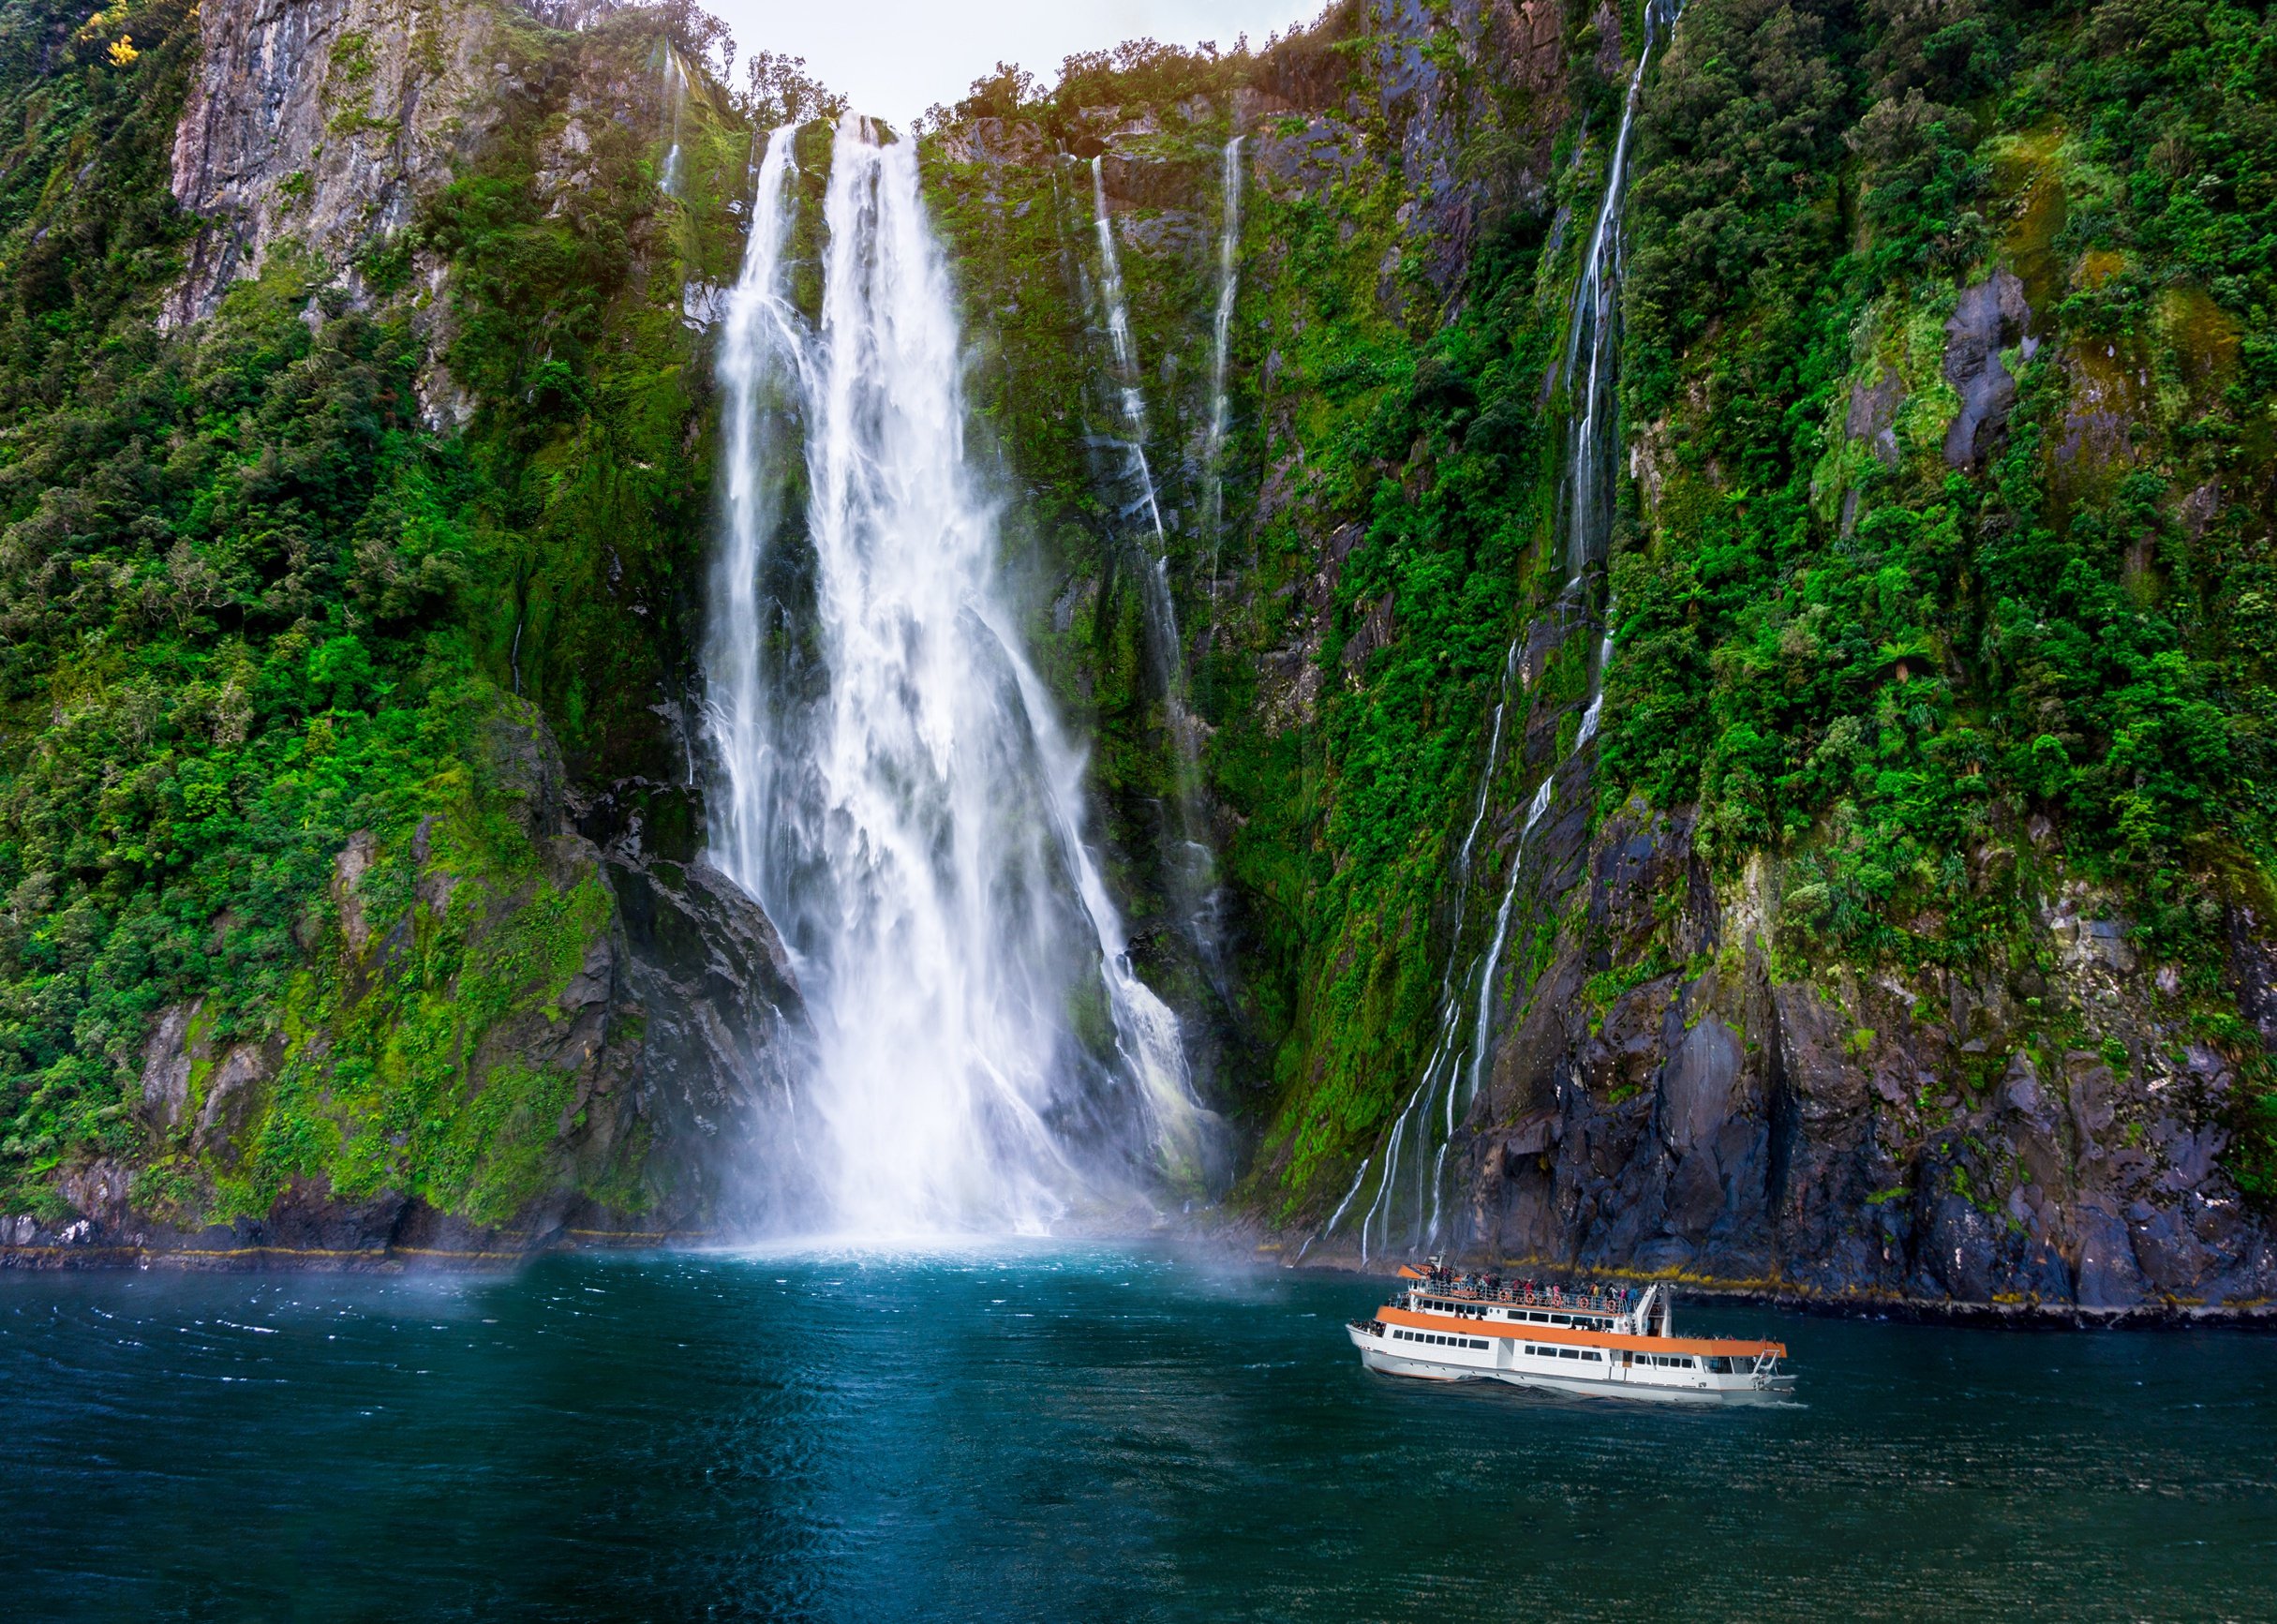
1068 1434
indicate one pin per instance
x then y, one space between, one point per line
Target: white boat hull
1470 1365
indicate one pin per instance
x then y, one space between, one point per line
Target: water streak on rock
1453 1074
1228 286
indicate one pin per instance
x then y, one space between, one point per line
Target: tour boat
1610 1341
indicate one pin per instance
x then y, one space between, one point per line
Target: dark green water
1076 1433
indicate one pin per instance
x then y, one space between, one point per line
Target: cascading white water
1190 862
1228 286
1597 315
674 73
899 794
1127 386
763 357
1587 521
1161 612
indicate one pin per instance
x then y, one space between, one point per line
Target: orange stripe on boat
1529 1332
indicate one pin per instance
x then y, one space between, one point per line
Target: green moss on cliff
252 606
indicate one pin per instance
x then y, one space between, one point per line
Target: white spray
900 797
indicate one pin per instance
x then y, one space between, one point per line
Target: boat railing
1529 1294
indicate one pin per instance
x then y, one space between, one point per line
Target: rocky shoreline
384 1235
2015 1316
429 1240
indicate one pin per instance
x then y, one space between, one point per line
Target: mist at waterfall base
893 784
1078 1433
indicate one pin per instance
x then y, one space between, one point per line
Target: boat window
1719 1366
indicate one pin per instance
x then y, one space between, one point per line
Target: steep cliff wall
323 121
1899 931
1884 910
312 939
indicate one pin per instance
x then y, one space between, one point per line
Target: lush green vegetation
1932 691
249 606
1939 689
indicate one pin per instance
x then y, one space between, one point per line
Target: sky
895 58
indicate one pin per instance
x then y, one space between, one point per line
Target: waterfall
1451 1079
1161 612
762 361
1126 353
1190 864
1228 284
674 74
897 791
1597 317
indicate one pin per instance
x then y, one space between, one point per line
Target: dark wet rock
1988 317
2253 971
1696 1091
723 1033
1840 1134
2109 1275
1311 158
1873 414
1149 182
166 1069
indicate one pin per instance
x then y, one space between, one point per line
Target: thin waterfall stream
1452 1074
895 785
672 79
1189 861
1221 343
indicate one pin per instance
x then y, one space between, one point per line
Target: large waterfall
1406 1207
895 787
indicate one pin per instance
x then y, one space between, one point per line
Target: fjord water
1102 1433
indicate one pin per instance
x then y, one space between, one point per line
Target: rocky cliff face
505 1003
1673 1094
321 123
1754 1013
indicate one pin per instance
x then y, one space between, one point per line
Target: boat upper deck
1592 1298
1582 1337
1609 1317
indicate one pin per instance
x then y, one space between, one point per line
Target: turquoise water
1075 1434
